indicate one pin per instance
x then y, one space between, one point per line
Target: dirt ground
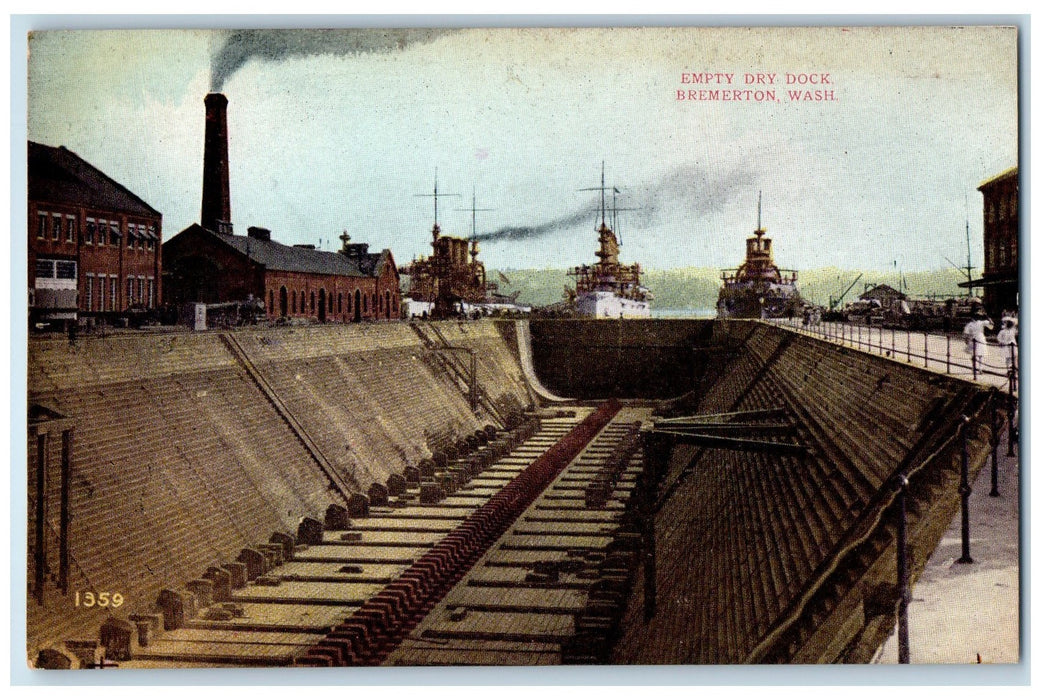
969 613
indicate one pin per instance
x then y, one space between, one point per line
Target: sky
344 130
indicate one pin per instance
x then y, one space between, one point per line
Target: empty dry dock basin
409 494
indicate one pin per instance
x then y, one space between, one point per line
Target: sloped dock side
186 448
776 556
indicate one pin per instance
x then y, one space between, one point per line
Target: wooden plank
349 554
312 593
299 617
516 600
477 625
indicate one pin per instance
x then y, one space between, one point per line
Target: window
66 269
151 292
113 289
102 231
312 302
89 234
348 303
41 225
101 292
130 291
339 303
70 229
294 301
56 229
44 269
90 292
131 235
152 237
113 232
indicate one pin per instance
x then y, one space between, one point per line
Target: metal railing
939 351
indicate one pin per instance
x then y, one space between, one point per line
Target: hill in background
698 287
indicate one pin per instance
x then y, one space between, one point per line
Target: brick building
94 246
208 263
1000 279
292 281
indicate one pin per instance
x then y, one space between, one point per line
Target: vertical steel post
974 342
909 342
903 578
994 440
1013 427
650 569
40 555
63 526
965 490
473 380
926 351
948 354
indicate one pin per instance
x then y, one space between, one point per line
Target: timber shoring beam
732 443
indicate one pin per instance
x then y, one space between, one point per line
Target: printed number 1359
103 599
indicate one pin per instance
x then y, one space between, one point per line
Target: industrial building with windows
94 246
207 263
1000 280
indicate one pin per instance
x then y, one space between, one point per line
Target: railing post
903 579
926 351
948 354
994 440
965 490
64 515
974 348
909 342
40 555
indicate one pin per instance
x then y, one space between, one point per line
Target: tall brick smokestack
216 194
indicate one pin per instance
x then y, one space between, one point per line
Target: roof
1010 173
882 291
277 256
59 175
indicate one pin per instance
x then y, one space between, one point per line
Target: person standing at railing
975 340
1007 340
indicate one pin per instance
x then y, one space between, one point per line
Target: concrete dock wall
180 460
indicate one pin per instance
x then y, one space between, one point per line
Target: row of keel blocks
119 638
381 622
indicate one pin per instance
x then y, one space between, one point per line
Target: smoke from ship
687 191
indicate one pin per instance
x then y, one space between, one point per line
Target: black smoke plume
562 223
279 44
684 192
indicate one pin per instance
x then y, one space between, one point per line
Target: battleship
608 289
758 288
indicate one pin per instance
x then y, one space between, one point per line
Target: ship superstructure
608 288
758 288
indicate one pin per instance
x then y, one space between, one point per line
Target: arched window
271 301
339 303
312 302
294 301
365 304
283 301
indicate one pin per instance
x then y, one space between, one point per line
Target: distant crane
833 302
